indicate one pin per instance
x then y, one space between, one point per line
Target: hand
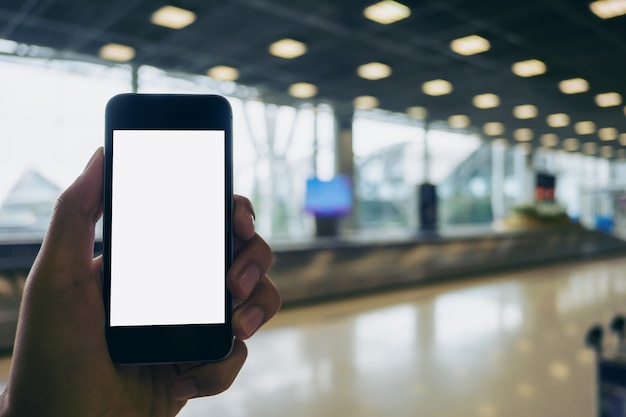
61 365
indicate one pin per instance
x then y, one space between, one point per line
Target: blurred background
443 183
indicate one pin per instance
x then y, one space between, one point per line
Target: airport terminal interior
442 182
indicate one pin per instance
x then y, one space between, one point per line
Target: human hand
61 365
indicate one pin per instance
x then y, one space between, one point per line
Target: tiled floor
504 345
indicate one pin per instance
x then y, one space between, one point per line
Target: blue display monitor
329 198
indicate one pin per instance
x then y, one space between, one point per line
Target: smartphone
167 228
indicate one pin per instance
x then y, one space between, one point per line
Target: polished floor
503 345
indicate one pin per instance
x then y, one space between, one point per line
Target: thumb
70 237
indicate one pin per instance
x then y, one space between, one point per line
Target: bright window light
574 86
459 121
7 46
387 11
173 17
493 128
117 52
486 101
223 73
608 99
524 134
571 144
437 87
302 90
529 68
366 102
374 71
525 111
585 128
288 48
558 120
549 140
608 133
470 45
607 9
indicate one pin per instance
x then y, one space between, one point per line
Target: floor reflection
508 345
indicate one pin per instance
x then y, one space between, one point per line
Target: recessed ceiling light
374 71
173 17
606 9
418 112
117 52
590 148
549 140
470 45
621 154
459 121
606 152
523 135
529 68
437 87
525 111
558 120
493 128
585 128
610 99
486 101
366 102
571 144
287 48
622 139
303 90
223 73
608 133
574 86
387 11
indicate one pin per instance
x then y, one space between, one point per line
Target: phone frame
167 343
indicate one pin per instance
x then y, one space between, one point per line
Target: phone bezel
178 343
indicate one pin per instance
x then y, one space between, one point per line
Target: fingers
261 306
210 378
243 218
253 260
70 236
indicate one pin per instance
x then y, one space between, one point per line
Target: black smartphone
167 228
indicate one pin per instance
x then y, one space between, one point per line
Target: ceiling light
549 140
574 86
173 17
117 52
459 121
366 102
525 111
418 112
608 133
529 68
287 48
606 152
585 128
302 90
523 134
558 120
608 99
437 87
374 71
486 101
622 139
223 73
590 148
571 144
606 9
470 45
387 11
493 128
621 154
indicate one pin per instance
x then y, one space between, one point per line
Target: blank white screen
168 227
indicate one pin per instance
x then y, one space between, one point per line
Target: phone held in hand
168 238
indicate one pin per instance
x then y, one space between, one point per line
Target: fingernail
251 320
185 389
250 218
91 159
248 279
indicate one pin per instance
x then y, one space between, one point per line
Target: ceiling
564 34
